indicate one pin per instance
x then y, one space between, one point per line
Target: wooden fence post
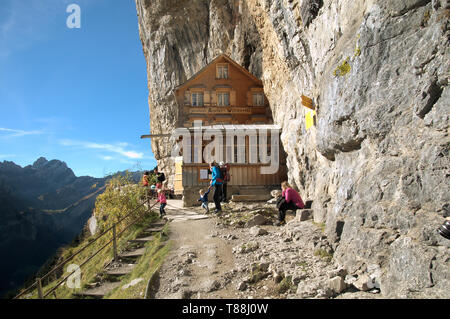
115 243
39 288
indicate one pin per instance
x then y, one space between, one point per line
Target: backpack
161 177
225 173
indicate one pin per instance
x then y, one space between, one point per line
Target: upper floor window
258 99
197 99
223 99
222 71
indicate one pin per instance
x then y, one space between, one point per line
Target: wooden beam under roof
155 135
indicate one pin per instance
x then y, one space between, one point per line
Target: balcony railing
225 109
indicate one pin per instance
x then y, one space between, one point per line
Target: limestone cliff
376 164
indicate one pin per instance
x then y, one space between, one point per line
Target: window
204 174
197 99
222 71
258 99
223 99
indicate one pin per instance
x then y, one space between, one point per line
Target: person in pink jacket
162 202
291 200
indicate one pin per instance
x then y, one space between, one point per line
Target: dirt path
199 262
230 257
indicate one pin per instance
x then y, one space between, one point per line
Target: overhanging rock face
376 162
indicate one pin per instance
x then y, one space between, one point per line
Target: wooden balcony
225 110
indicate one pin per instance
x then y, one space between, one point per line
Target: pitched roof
238 66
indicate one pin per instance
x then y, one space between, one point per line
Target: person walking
216 182
204 198
162 202
225 172
290 200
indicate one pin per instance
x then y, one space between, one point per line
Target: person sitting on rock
204 198
291 200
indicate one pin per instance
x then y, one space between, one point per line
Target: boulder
363 283
256 221
256 231
303 214
337 284
241 286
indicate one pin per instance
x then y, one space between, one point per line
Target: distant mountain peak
41 161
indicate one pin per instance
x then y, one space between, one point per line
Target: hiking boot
279 223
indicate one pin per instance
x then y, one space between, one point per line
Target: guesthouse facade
224 115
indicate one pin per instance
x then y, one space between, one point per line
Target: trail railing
38 283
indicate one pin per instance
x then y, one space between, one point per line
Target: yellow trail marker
309 118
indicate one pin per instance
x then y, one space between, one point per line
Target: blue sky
76 95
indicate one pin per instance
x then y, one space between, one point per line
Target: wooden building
223 92
224 99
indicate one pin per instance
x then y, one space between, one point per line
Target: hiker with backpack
159 175
225 172
216 182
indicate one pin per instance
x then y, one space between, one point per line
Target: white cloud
106 158
117 148
9 133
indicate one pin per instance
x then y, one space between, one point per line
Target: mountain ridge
43 206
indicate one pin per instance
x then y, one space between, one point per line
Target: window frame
219 95
197 94
219 71
256 100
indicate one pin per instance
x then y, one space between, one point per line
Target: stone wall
376 164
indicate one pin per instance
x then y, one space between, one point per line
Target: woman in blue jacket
216 182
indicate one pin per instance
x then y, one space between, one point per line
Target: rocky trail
240 255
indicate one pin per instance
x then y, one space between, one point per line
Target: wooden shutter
213 98
249 98
187 98
207 98
233 98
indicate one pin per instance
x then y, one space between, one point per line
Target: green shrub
120 197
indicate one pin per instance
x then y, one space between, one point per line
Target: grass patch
322 253
303 265
321 226
259 272
286 285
